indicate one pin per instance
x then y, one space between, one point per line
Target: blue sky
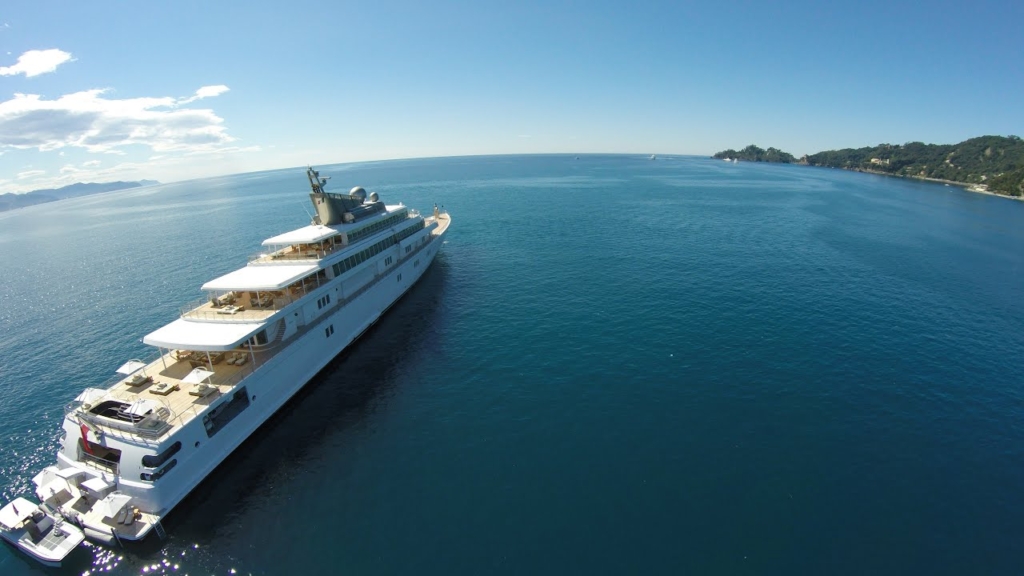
171 91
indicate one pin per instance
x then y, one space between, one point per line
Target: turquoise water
614 365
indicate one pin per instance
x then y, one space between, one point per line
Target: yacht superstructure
133 451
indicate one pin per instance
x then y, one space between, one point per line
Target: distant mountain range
12 201
990 163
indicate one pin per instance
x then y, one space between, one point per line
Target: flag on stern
85 438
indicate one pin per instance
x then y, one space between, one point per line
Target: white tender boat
131 451
37 532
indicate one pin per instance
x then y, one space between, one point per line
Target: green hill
995 163
754 154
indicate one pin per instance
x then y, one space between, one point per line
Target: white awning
44 476
55 486
212 336
311 233
90 395
112 504
131 366
70 472
16 512
269 277
142 406
97 485
196 376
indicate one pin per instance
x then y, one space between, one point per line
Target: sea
616 365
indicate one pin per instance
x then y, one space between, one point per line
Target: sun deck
171 388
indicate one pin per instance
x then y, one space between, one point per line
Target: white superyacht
131 452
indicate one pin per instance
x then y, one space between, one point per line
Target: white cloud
30 174
89 120
204 92
91 163
36 62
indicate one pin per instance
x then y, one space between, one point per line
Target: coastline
965 185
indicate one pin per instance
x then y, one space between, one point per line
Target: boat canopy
260 277
306 235
212 336
97 485
131 367
112 504
16 512
70 472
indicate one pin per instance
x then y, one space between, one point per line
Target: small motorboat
37 532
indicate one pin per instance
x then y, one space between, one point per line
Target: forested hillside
754 154
995 161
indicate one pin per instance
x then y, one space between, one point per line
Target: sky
170 91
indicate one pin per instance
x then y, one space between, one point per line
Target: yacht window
155 460
159 473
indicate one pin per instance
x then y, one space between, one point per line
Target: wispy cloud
30 174
36 62
204 92
96 123
91 163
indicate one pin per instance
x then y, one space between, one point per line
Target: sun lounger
139 380
163 388
202 390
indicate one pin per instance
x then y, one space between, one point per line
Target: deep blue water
615 365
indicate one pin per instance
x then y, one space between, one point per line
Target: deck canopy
97 485
70 472
306 235
269 277
16 512
211 336
112 504
131 367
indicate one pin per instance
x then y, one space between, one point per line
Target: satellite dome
374 197
358 192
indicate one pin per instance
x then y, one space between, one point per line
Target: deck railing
97 462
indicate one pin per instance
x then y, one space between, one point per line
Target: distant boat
727 159
735 160
653 157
